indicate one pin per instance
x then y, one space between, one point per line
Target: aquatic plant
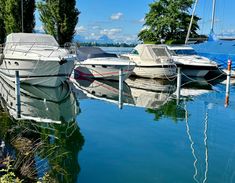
8 173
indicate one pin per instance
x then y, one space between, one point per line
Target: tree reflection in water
170 110
40 149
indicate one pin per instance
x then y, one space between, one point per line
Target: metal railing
71 47
37 48
32 48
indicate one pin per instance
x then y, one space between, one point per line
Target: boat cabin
150 53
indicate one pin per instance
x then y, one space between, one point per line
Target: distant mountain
101 40
104 40
81 39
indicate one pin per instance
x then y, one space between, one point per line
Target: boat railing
14 47
71 47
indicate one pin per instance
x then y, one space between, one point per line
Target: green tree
169 20
29 18
169 110
59 18
11 19
2 24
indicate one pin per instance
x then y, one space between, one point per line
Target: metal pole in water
178 84
228 83
17 94
120 104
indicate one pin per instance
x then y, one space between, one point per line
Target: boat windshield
185 52
160 52
135 52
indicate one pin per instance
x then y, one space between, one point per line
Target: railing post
228 83
17 94
178 84
120 104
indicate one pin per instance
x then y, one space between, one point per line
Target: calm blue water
81 135
131 145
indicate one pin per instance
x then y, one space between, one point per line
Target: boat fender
63 61
1 58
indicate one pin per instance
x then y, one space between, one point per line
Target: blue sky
122 20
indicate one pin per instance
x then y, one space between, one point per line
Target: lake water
79 134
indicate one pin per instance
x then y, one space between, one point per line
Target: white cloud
142 20
229 31
96 27
110 32
94 32
80 29
116 16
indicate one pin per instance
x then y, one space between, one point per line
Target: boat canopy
152 52
30 38
84 53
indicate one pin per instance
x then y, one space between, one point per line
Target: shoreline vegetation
106 44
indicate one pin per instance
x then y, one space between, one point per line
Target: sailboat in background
215 49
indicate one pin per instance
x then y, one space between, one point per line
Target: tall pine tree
29 18
169 20
2 24
11 19
59 18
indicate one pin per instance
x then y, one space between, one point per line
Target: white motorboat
93 62
38 58
39 103
152 61
192 64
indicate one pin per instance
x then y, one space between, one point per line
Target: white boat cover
151 52
29 38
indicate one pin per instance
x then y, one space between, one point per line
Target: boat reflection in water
139 92
42 104
150 93
102 90
33 150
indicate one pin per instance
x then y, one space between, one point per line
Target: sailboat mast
191 22
213 16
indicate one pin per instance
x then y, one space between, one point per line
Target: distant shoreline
107 44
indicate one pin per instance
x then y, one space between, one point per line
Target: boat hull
50 73
196 71
155 71
109 72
